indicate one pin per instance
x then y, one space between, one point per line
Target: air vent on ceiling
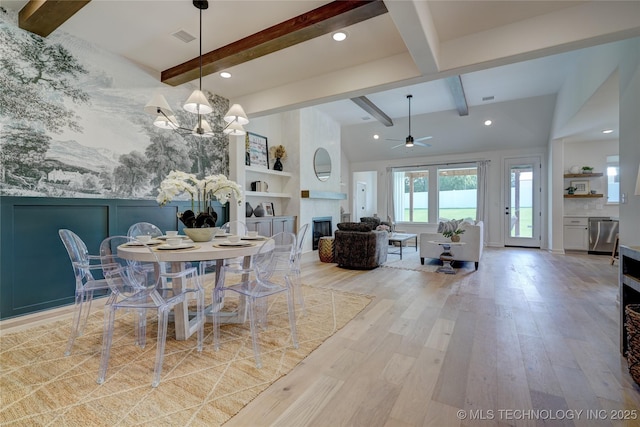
488 98
183 35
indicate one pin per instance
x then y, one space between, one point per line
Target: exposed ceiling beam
325 19
371 108
42 17
455 86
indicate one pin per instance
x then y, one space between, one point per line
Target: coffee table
446 256
401 238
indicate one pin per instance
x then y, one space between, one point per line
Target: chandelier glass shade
197 104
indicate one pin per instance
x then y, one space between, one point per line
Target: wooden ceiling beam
323 20
42 17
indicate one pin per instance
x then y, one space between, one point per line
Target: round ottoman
325 249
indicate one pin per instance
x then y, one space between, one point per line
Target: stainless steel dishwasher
602 235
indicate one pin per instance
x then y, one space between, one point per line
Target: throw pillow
448 225
355 226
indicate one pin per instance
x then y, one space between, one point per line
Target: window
412 204
457 193
613 179
453 195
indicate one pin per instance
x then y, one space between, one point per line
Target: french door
522 202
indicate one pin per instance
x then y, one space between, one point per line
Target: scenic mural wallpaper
72 122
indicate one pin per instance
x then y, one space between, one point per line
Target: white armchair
473 237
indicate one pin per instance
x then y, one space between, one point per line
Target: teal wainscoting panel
35 270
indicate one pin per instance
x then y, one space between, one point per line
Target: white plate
253 238
180 236
223 235
149 243
228 243
180 246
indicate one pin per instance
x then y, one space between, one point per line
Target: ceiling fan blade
393 139
424 138
422 144
397 146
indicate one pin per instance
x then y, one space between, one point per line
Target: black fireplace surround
320 227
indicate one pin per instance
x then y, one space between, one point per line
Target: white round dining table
202 251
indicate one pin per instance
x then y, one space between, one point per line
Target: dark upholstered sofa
358 245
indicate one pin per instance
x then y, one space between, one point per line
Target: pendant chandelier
198 104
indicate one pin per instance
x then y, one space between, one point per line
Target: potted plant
587 169
454 235
571 190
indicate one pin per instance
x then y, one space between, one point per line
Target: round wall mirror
322 164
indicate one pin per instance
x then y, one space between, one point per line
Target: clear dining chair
144 228
145 289
83 263
269 275
297 282
238 228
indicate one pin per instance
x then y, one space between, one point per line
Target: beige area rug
411 261
39 386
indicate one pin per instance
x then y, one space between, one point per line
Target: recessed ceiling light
376 136
225 75
488 122
607 131
339 36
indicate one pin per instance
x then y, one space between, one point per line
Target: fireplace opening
320 227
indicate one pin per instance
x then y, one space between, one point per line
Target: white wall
302 132
591 72
371 207
630 142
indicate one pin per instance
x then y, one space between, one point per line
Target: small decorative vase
258 211
277 166
248 210
455 238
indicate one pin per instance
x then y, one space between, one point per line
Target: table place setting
177 236
233 240
144 241
253 238
184 245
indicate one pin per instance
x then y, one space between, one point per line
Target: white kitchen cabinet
576 233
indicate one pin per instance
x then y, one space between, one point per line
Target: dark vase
203 219
248 210
258 211
277 166
247 159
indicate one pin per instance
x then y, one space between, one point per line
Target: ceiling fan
409 141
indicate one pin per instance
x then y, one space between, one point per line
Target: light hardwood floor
528 339
529 331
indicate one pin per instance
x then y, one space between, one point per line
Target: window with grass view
453 195
457 193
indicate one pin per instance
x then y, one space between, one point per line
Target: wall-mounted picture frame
268 208
258 150
581 187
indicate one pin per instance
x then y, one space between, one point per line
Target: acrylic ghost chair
302 233
238 228
144 228
269 275
145 289
83 263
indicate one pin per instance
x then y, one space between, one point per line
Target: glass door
522 202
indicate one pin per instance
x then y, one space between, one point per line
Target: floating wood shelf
582 175
311 194
583 196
